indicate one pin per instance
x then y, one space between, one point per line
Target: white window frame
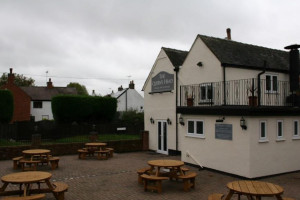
296 136
195 134
265 138
206 86
279 129
271 90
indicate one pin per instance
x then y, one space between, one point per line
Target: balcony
251 93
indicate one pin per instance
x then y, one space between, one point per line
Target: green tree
6 106
19 80
81 89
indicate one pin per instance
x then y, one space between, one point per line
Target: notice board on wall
223 131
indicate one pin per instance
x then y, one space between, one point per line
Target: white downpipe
189 155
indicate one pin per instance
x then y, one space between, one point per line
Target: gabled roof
176 56
119 93
46 94
244 55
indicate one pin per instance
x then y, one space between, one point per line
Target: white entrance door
162 136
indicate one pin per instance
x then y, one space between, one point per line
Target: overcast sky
103 44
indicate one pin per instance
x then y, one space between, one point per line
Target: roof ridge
234 41
172 49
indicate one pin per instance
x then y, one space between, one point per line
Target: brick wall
7 153
21 103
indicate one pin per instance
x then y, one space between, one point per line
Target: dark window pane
203 92
190 127
295 127
199 127
268 82
274 83
209 92
279 129
263 130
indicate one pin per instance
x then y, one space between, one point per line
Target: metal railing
245 92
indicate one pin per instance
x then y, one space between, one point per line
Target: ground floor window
296 128
279 129
196 128
263 131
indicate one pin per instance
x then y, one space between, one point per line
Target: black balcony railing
246 92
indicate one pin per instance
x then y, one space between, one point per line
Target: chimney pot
10 77
131 85
228 30
49 84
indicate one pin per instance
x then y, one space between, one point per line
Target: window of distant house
206 92
271 83
37 104
296 129
262 131
279 130
196 128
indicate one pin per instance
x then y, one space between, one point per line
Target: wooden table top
95 144
36 151
166 163
255 188
26 177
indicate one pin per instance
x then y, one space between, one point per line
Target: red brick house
21 100
34 101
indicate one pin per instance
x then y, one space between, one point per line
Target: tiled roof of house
244 55
46 94
176 56
119 93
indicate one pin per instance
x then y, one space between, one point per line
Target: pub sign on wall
162 82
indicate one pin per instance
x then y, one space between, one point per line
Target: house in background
34 102
226 106
129 99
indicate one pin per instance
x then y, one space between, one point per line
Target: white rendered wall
160 106
38 113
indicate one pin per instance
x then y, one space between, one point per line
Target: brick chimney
10 77
131 85
228 34
49 84
120 88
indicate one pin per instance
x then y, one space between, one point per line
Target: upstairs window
37 104
271 83
206 93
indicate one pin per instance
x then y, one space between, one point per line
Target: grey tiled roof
176 56
46 94
246 56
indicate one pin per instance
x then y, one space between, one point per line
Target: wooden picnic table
26 179
39 154
251 189
173 165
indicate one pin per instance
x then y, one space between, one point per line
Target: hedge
70 108
6 106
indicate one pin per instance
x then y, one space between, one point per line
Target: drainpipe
258 82
224 83
176 69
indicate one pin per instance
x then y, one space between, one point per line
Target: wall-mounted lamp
200 64
181 121
243 123
221 119
151 120
169 121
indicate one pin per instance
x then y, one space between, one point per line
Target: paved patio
116 178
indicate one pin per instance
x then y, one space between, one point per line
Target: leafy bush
132 117
70 108
6 106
